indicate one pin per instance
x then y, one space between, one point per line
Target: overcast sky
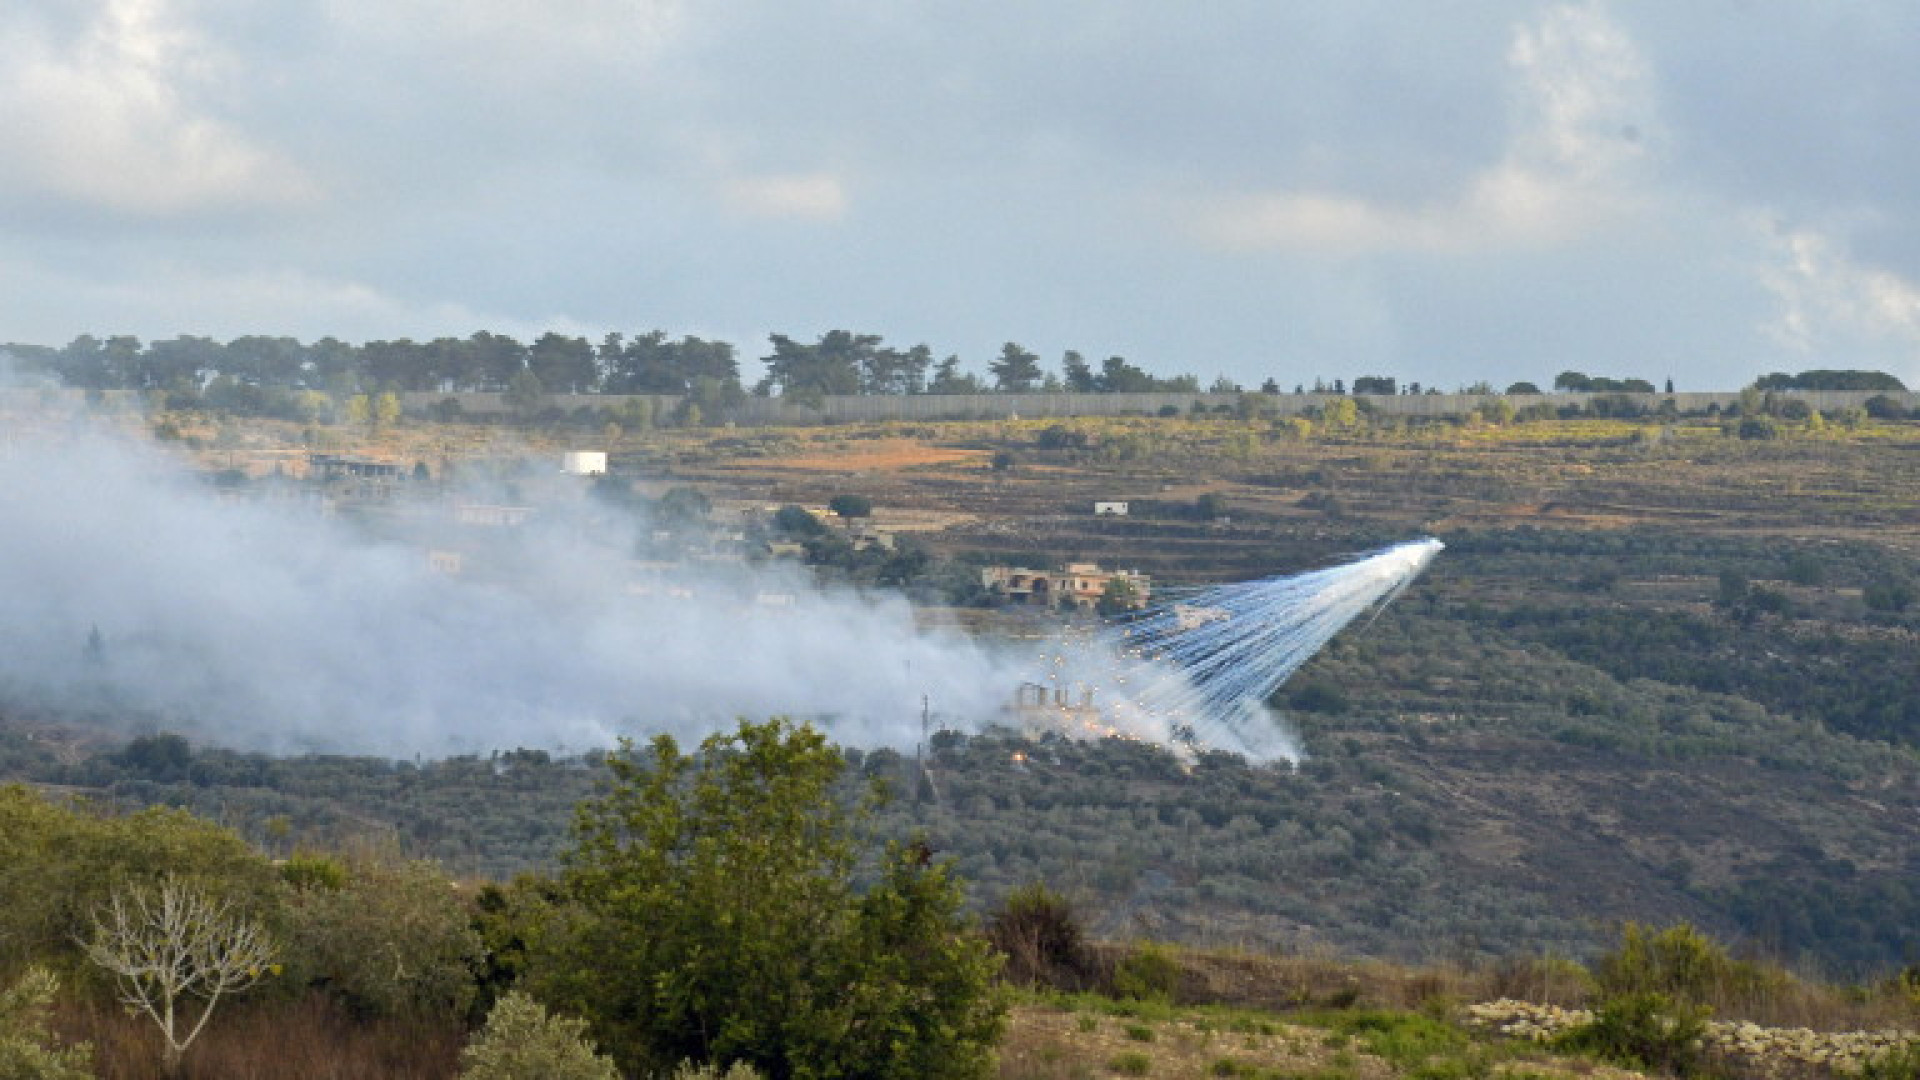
1441 190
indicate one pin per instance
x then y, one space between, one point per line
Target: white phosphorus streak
1198 667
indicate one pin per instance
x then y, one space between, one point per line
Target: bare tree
173 943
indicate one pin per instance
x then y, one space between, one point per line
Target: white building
584 463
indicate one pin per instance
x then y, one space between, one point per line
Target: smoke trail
1199 666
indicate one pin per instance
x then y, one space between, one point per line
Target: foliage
1678 962
521 1041
394 940
58 864
797 521
25 1053
1147 973
1898 1063
1118 596
305 871
713 917
739 1070
1040 934
851 506
1818 379
1643 1030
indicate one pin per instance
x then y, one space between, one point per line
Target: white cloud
159 298
807 196
102 120
1836 310
1583 108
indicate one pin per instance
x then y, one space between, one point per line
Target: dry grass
306 1039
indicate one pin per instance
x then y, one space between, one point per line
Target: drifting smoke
133 587
1199 666
271 627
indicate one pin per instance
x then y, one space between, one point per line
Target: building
1077 585
329 467
584 463
1042 710
354 480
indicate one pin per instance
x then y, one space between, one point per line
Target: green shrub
1139 1033
25 1053
1039 933
1403 1038
1147 973
314 872
1679 962
1642 1031
521 1041
1131 1063
1900 1063
394 940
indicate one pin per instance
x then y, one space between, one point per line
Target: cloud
812 196
1836 310
178 296
1583 110
109 119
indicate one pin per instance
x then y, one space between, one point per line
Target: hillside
1660 672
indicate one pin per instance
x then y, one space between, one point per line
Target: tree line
262 373
838 362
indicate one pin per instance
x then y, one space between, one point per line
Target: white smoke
134 587
265 625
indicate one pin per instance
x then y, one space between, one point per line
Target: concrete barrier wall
755 411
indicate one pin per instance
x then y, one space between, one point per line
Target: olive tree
712 915
169 944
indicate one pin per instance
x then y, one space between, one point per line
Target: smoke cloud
134 585
136 588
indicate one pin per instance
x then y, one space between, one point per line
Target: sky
1445 192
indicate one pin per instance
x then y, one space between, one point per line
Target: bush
1882 407
797 521
1681 963
1147 973
1894 596
24 1050
1039 933
522 1042
851 506
1642 1031
1899 1063
394 940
